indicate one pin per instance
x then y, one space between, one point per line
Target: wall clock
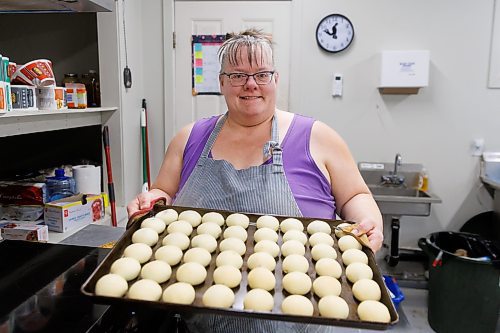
334 33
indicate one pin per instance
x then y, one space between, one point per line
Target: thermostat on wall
337 84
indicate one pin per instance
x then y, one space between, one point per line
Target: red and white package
36 73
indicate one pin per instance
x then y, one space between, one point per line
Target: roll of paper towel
87 179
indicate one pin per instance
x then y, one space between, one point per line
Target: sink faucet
397 162
393 178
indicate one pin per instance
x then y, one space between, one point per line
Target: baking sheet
237 309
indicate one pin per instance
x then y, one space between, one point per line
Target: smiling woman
248 80
259 159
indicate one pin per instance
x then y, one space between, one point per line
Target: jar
69 78
87 81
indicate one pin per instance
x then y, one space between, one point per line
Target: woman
259 159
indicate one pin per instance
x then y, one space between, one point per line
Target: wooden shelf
33 121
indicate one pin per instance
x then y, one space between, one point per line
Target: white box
18 230
73 212
404 69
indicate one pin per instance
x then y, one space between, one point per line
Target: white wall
145 52
435 127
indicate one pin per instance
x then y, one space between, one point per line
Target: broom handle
111 188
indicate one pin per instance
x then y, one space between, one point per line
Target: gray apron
263 189
216 184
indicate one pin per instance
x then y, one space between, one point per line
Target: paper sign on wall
206 64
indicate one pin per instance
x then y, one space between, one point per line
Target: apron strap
271 148
212 138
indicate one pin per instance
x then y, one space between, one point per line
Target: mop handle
147 143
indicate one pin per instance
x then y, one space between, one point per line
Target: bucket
464 292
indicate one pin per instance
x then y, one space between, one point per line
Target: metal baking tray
237 309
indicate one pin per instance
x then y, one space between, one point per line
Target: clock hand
334 31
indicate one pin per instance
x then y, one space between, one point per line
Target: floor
411 277
413 312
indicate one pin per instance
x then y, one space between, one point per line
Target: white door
219 18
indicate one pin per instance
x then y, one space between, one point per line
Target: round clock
334 33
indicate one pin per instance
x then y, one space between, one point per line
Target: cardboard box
73 212
30 231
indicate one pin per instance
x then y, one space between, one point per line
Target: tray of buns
237 264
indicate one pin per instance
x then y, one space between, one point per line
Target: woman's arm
353 198
167 182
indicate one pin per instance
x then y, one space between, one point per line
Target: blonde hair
253 40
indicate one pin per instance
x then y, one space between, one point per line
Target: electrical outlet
477 147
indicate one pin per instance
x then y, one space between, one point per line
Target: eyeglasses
240 79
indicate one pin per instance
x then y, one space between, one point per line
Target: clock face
334 33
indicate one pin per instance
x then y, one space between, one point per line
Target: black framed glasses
240 79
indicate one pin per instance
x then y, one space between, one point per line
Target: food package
30 231
23 97
35 73
51 98
22 193
73 212
21 212
76 95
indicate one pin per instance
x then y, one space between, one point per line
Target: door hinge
173 39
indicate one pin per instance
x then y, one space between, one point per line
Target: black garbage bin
464 291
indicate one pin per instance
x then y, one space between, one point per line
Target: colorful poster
206 65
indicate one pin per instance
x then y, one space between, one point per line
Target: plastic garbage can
464 292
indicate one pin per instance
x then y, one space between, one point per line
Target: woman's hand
370 228
144 200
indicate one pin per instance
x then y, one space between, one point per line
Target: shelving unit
33 121
98 48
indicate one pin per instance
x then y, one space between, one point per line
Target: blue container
397 295
60 186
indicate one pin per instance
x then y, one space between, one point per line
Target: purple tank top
309 186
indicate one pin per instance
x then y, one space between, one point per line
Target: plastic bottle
60 186
423 181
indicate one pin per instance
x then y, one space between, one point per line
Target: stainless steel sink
395 189
403 201
398 200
